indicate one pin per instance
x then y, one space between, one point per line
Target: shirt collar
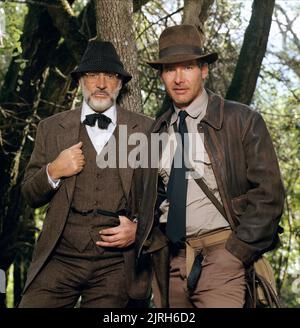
110 112
197 109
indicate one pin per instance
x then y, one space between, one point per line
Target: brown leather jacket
247 173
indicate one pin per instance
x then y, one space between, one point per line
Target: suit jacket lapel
125 171
68 137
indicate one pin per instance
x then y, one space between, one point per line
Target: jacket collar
71 119
162 120
213 117
215 111
122 118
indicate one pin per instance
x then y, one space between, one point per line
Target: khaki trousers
221 284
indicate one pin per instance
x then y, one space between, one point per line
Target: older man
97 219
214 223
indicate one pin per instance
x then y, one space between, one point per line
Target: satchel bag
260 286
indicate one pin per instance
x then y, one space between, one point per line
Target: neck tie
177 189
103 121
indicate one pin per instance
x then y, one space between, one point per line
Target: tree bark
114 23
196 13
254 47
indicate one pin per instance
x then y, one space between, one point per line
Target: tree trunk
114 23
196 13
252 52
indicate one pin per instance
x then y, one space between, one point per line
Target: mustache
98 92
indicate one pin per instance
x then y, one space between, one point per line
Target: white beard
100 105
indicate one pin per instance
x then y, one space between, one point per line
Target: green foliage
10 288
282 116
78 5
14 20
39 216
290 291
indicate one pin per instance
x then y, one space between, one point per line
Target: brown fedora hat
181 43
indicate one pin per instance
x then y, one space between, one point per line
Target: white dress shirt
99 137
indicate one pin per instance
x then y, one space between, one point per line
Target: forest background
41 41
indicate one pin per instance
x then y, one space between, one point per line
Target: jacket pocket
239 204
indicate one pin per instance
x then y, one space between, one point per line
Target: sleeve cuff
243 251
54 183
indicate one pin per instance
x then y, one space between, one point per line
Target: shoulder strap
213 199
211 196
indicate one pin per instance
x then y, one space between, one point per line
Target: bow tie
103 121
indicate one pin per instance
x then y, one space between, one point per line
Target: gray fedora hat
181 43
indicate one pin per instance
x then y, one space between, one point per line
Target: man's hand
121 236
69 162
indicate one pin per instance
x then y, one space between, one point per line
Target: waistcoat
95 188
